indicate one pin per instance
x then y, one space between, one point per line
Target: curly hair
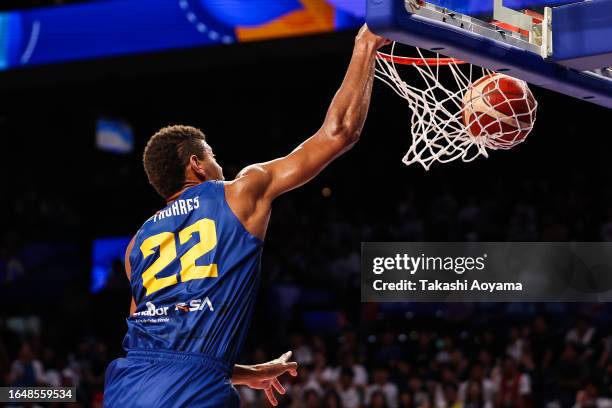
167 154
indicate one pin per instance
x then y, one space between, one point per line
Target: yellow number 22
167 253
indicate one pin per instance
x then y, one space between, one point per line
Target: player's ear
197 167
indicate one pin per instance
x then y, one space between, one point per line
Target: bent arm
340 130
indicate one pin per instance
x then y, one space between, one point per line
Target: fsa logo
195 305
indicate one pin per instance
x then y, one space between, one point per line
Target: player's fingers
285 357
291 368
282 368
278 387
292 365
271 397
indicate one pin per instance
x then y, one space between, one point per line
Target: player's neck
188 184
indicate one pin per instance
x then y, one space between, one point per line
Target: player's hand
366 36
265 376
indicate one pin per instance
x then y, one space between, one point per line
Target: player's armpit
128 267
128 271
132 307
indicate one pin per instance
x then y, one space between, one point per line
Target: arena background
62 193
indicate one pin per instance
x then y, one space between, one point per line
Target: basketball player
194 266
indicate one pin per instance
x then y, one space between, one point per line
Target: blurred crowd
26 361
535 364
542 362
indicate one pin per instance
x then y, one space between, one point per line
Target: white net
456 116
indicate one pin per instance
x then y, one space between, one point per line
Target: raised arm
340 131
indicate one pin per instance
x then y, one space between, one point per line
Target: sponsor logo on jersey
194 305
153 311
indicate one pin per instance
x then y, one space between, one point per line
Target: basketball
499 108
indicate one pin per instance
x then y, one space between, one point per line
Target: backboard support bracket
512 17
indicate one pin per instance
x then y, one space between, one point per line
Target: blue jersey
195 274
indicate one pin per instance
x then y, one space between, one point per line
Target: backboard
560 45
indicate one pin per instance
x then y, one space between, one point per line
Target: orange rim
419 61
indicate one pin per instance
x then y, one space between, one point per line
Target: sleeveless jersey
195 274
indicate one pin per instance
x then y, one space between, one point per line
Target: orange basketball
500 108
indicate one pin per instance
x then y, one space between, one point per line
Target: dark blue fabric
226 302
195 328
169 379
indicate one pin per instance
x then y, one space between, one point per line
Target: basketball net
439 131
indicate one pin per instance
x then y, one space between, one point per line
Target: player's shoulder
250 181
